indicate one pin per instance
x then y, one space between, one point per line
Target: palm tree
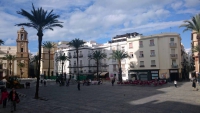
49 45
62 58
35 60
193 25
97 56
10 59
21 65
76 43
40 20
119 55
1 42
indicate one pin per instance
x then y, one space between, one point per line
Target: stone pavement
110 99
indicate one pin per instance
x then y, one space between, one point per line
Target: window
152 53
80 52
153 62
22 37
172 51
171 39
141 63
152 42
141 54
21 49
131 54
80 62
141 44
174 63
74 62
130 45
123 49
114 67
21 55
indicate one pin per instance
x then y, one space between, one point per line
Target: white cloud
189 11
177 5
192 3
188 50
9 41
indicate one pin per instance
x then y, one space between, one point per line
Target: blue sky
100 20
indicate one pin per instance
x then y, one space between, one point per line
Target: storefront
174 74
143 74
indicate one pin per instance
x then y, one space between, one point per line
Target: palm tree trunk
77 64
120 74
62 68
40 34
97 70
49 66
10 68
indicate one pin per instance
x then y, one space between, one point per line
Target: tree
1 42
62 58
97 55
40 20
76 43
49 45
21 65
10 59
119 55
193 25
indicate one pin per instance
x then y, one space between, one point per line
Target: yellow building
195 54
21 53
45 61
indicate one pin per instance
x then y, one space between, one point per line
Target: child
175 83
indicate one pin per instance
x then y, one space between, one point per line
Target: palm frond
76 43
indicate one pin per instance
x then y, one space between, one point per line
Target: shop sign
173 71
143 72
154 71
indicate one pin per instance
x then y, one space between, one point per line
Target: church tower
22 54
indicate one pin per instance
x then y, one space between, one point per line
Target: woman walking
194 81
4 97
14 98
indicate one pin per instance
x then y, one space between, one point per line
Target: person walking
175 83
79 85
14 98
4 97
44 82
113 81
194 82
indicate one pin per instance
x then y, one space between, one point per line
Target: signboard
154 71
173 71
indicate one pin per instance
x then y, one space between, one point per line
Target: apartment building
195 55
155 56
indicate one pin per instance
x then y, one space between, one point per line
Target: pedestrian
14 98
175 83
4 97
194 82
44 82
113 81
79 85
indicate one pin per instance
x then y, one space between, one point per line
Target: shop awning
103 73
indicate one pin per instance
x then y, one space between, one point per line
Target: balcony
69 56
103 65
174 66
140 46
173 56
151 44
80 65
81 71
141 65
141 56
74 65
153 55
80 56
89 71
173 45
74 56
153 65
89 55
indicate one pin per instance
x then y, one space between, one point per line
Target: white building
151 57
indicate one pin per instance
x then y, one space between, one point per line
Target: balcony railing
151 44
69 56
174 66
141 56
89 55
103 65
74 56
80 56
173 55
152 55
141 65
89 71
153 65
172 44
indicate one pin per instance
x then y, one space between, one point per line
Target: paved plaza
109 99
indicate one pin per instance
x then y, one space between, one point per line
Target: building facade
195 55
151 57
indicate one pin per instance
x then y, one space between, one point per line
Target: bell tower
22 54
